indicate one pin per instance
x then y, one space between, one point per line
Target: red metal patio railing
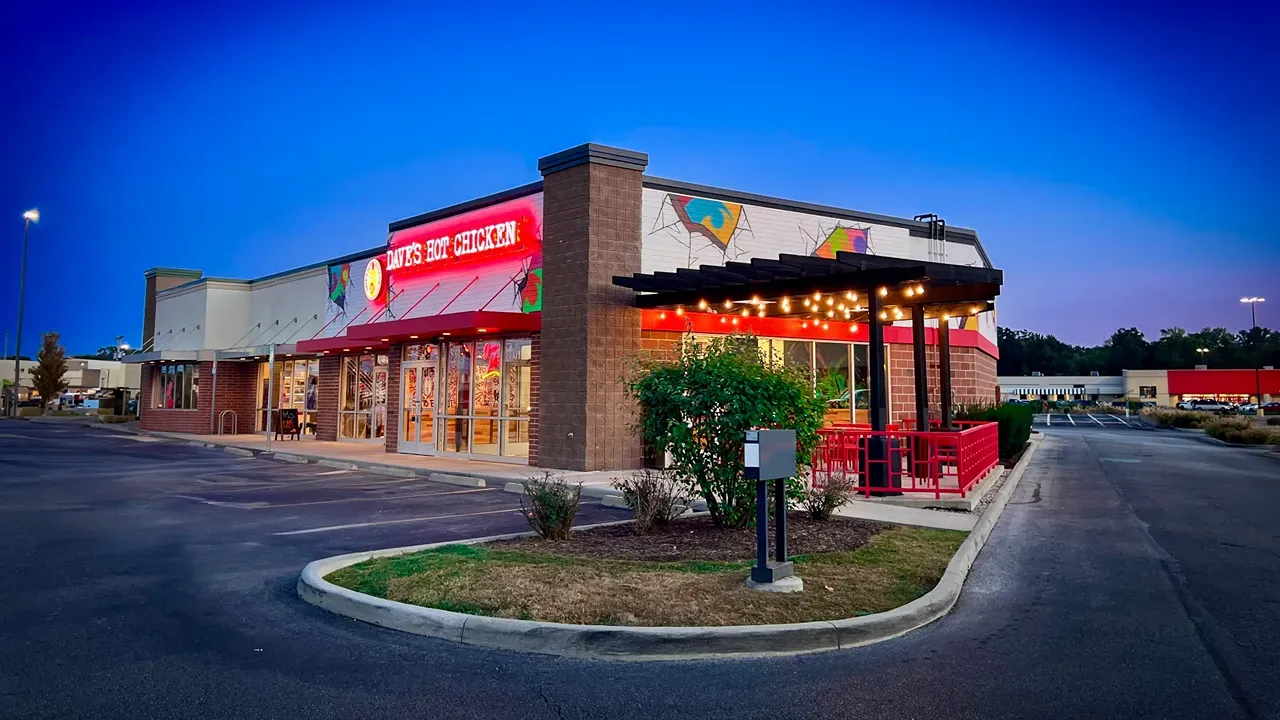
936 462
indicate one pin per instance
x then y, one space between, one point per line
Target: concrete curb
651 643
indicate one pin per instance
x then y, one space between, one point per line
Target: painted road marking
1073 420
394 522
1121 460
262 504
1091 417
334 472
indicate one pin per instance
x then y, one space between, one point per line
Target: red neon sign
510 228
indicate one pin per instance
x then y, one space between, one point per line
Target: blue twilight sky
1119 163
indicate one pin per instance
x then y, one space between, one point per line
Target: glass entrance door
418 402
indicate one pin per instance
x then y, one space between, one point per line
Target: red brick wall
973 379
659 343
327 397
535 362
394 354
237 391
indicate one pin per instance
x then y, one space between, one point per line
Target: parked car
1211 406
1248 409
1271 408
1185 405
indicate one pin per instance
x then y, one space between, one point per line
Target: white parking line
1073 420
264 505
1091 417
394 522
1048 419
1122 421
334 472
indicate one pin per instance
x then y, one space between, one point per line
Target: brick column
535 382
327 397
394 354
237 392
591 232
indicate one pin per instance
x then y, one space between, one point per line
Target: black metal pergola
848 288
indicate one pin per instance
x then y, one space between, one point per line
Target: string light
679 311
909 291
728 304
919 289
830 300
735 321
755 300
884 315
897 314
945 317
977 309
760 312
840 306
824 326
853 327
723 320
884 291
804 324
662 316
850 296
817 296
745 312
831 313
702 304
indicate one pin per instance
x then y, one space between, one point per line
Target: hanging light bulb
850 296
830 300
884 315
909 292
679 311
662 316
840 306
735 321
884 291
723 320
760 312
755 300
728 304
853 327
977 309
831 313
919 289
804 324
824 326
945 317
817 296
745 312
897 313
702 304
806 302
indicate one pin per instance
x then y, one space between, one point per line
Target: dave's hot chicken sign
499 231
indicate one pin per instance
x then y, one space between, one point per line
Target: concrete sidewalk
374 456
908 515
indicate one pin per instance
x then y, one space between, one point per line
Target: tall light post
28 217
1257 361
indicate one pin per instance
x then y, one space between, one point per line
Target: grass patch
894 567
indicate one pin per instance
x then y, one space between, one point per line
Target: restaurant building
499 329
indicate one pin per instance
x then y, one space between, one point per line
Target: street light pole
28 217
1257 361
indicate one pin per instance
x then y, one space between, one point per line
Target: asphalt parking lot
1103 420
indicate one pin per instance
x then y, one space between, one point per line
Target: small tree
699 405
48 377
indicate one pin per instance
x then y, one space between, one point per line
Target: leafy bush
1014 419
698 405
1273 421
550 504
1241 431
115 419
30 411
653 496
1177 418
822 500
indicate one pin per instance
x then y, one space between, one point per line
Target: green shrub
1015 423
698 405
822 500
1273 421
30 411
550 504
652 496
1177 418
1241 431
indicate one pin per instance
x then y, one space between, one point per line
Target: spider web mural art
841 238
527 283
700 224
339 281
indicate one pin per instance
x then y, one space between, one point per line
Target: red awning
380 334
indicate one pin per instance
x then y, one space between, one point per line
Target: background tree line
1023 352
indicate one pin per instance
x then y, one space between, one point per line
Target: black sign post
770 455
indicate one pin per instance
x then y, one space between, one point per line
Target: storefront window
832 381
176 386
295 384
517 404
363 412
488 382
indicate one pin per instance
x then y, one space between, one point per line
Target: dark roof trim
963 236
476 204
593 153
172 272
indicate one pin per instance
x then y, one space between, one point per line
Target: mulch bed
697 538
